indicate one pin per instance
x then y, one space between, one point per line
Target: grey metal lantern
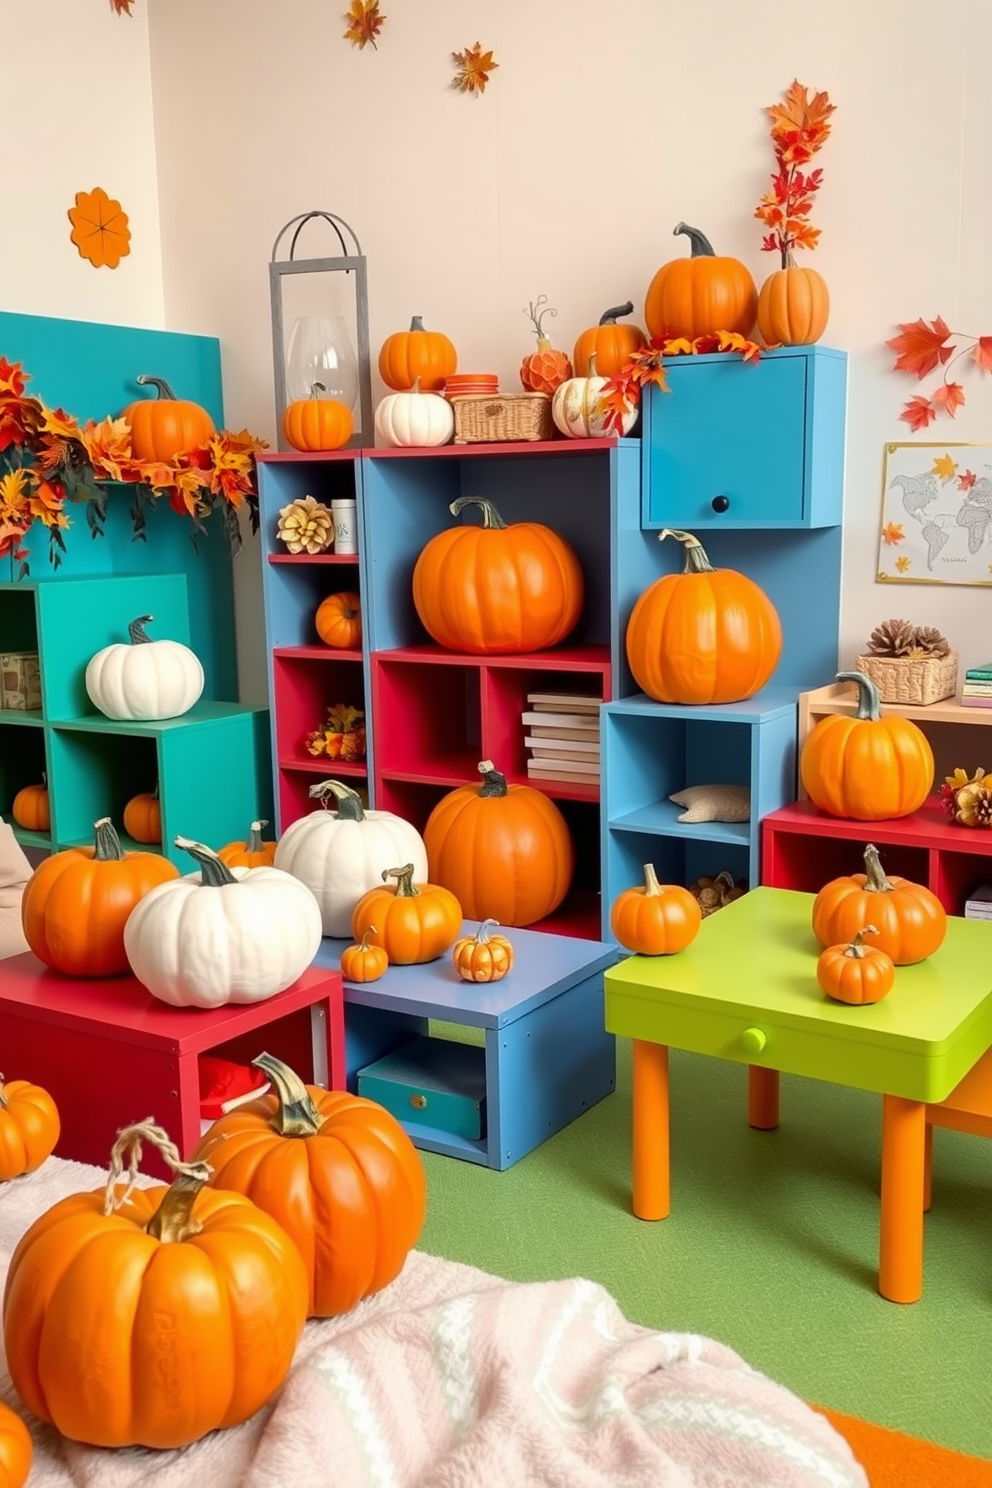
319 351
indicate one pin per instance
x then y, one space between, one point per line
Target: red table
110 1053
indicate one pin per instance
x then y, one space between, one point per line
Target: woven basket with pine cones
910 663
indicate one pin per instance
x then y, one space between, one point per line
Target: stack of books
977 689
561 734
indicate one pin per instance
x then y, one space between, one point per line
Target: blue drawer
431 1082
736 446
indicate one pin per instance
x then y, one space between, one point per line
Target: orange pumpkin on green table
317 423
31 808
166 426
793 307
29 1127
911 921
143 818
364 962
16 1450
856 973
612 344
483 957
338 621
416 353
867 768
545 369
77 902
504 849
700 295
497 588
251 853
152 1316
412 923
655 919
706 635
336 1171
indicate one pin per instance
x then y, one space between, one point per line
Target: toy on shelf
416 418
144 679
251 853
911 921
364 962
910 663
545 369
654 919
856 973
31 808
417 355
165 426
306 525
338 621
578 409
700 295
612 344
29 1127
483 957
143 818
867 767
412 922
315 424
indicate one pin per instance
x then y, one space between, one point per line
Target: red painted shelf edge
319 766
315 653
928 828
445 451
592 658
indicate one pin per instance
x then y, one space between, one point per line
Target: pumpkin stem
857 949
593 369
159 384
651 885
363 944
255 836
417 323
107 847
696 560
295 1113
490 516
350 806
213 873
482 934
875 879
869 698
3 1098
494 783
416 385
315 388
136 631
405 886
173 1220
701 245
609 317
537 315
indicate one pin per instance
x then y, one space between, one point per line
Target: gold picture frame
936 518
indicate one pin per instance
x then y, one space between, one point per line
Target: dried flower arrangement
306 526
342 736
910 663
967 799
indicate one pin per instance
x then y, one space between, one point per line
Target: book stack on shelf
562 737
977 689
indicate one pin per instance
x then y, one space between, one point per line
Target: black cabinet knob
720 503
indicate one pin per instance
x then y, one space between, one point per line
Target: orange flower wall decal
99 228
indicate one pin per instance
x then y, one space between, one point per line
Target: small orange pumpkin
364 962
416 922
29 1127
254 853
545 369
706 635
339 621
416 353
656 919
868 768
317 423
611 344
32 808
143 818
483 957
793 307
166 426
699 295
911 920
16 1450
856 973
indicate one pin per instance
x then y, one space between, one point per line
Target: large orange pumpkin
856 973
338 621
416 353
166 426
143 818
706 635
793 307
338 1172
655 919
412 923
612 344
497 588
867 767
252 853
505 850
76 903
911 921
29 1127
175 1313
32 808
317 423
16 1450
699 295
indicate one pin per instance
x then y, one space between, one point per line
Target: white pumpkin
415 418
144 679
577 408
342 854
223 934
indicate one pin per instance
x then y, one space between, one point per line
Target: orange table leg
651 1183
900 1265
928 1169
762 1097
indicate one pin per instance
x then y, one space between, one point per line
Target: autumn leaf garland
922 347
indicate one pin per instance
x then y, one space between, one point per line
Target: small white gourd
577 407
414 418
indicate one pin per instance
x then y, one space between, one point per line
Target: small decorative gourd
251 853
483 957
165 426
417 355
31 808
16 1450
317 423
793 306
414 419
613 344
364 962
702 294
416 922
143 818
856 973
911 921
577 407
338 621
869 767
144 679
29 1127
655 919
544 369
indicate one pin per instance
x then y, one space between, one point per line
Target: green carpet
771 1246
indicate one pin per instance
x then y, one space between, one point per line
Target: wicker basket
501 418
909 679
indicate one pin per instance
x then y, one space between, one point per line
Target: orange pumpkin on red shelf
911 921
143 818
253 852
706 635
505 850
317 423
412 923
655 919
29 1127
338 621
166 426
497 588
702 294
611 343
31 808
856 973
545 369
416 354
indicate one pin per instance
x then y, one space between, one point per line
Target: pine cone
892 638
929 641
305 526
973 807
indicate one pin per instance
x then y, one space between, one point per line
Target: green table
746 990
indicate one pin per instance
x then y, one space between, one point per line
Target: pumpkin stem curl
107 847
494 782
696 560
159 384
255 836
651 885
700 245
482 934
609 317
349 802
295 1113
315 388
173 1220
875 879
405 886
869 697
214 874
857 949
490 516
363 944
136 631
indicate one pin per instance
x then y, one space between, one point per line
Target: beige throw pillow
726 803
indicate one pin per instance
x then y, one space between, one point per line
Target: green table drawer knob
754 1040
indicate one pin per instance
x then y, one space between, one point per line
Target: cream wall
76 97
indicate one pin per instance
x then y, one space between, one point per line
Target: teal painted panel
89 369
94 775
214 781
432 1081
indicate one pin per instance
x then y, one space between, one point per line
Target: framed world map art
936 525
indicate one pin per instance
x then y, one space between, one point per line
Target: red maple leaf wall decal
921 348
